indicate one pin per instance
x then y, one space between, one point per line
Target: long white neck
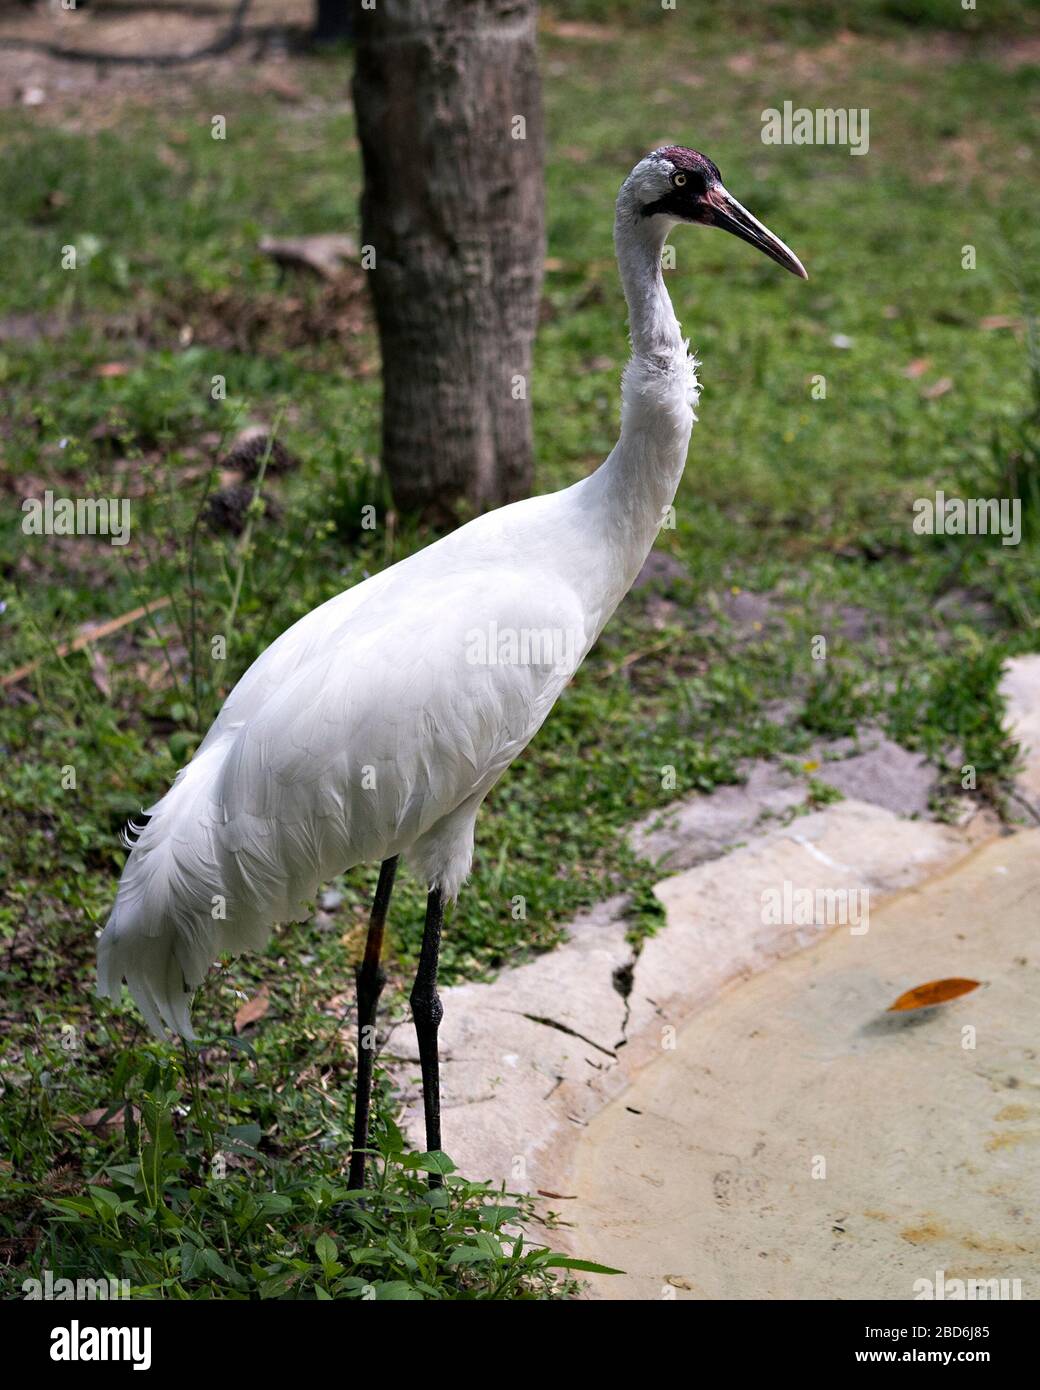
638 244
631 492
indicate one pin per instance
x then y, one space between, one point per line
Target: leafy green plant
183 1202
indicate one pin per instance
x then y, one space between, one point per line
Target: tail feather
164 931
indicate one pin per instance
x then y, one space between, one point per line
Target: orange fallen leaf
992 321
111 369
935 992
253 1010
917 367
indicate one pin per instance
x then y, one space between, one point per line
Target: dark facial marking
693 175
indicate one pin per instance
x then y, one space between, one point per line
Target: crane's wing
407 715
364 726
297 645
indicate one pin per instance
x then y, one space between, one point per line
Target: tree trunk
449 117
333 21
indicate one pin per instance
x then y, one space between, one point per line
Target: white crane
376 725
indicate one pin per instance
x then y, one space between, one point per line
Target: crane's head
681 185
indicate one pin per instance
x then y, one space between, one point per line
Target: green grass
212 1208
808 501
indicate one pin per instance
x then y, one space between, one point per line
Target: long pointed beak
728 214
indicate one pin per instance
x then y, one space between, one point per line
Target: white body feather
372 727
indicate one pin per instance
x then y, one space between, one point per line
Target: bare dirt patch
54 87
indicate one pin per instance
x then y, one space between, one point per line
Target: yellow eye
678 180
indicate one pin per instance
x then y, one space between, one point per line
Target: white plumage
373 727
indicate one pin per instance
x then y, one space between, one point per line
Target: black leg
427 1012
370 981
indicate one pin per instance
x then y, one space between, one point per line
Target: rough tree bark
449 116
